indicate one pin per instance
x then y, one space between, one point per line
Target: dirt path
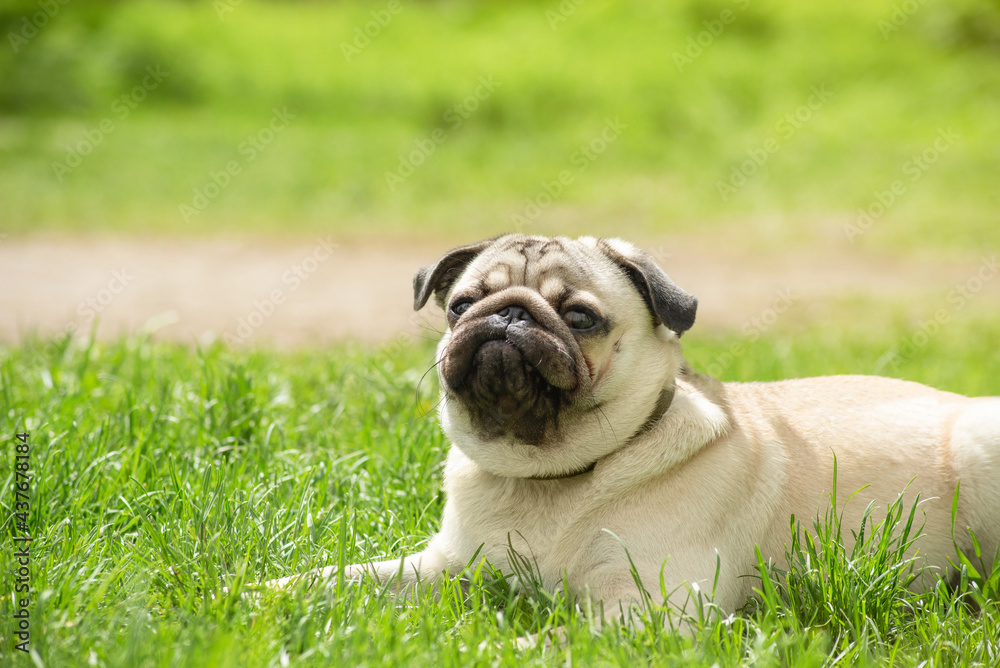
311 291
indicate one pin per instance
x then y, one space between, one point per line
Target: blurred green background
491 102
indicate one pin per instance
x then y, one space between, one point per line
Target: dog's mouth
513 378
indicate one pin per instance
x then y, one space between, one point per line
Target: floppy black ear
667 302
440 276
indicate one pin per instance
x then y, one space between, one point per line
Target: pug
582 439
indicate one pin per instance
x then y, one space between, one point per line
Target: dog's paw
553 638
312 577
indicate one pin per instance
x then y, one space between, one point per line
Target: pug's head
557 351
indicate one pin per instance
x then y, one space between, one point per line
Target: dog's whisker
426 326
433 408
424 338
600 411
420 382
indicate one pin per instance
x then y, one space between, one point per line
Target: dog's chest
503 519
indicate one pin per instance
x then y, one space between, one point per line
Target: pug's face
557 350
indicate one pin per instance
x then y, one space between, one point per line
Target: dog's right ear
440 276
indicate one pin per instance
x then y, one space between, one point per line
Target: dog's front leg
426 567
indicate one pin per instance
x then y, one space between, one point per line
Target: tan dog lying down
573 415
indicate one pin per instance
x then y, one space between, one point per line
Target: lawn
163 474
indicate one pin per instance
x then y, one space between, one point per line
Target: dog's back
886 435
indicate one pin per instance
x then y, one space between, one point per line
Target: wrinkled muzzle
514 365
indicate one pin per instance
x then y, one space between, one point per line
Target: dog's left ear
440 276
667 302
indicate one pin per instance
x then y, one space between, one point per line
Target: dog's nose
515 314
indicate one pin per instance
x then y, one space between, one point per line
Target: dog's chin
514 386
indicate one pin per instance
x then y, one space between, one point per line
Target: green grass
163 474
687 128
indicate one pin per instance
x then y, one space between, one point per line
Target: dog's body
580 432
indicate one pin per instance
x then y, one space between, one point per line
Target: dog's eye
460 306
580 319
